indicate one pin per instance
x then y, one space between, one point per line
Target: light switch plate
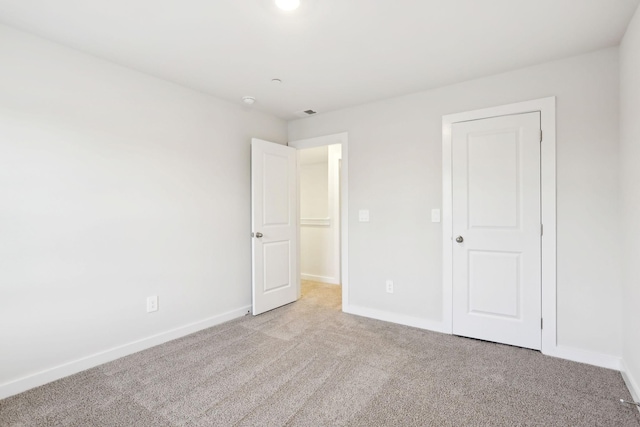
435 215
363 215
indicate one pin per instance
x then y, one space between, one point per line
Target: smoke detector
249 100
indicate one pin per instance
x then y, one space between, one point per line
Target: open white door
496 229
274 224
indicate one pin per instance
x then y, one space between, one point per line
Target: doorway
319 182
323 207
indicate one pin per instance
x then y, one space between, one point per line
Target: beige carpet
308 364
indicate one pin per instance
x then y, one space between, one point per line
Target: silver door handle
259 235
459 239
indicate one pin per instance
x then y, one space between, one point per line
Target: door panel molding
547 109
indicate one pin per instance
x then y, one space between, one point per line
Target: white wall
630 196
395 172
314 182
114 186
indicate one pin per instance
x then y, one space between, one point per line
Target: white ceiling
330 54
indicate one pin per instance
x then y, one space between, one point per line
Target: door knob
259 235
459 239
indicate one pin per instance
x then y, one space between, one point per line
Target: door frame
320 141
547 109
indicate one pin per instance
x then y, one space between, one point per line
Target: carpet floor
309 364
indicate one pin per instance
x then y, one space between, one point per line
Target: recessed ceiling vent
306 113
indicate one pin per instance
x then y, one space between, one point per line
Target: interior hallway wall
629 237
395 152
114 186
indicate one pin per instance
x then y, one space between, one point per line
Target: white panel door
497 230
274 225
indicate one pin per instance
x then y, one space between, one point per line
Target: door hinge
540 135
541 323
541 229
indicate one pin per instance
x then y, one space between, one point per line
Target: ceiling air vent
306 113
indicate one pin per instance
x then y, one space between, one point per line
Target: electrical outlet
152 303
390 286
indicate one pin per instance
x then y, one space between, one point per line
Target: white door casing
496 215
274 224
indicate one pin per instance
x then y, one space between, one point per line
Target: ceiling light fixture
249 100
288 5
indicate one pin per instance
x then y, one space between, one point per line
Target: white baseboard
632 384
416 322
562 352
320 279
40 378
585 356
